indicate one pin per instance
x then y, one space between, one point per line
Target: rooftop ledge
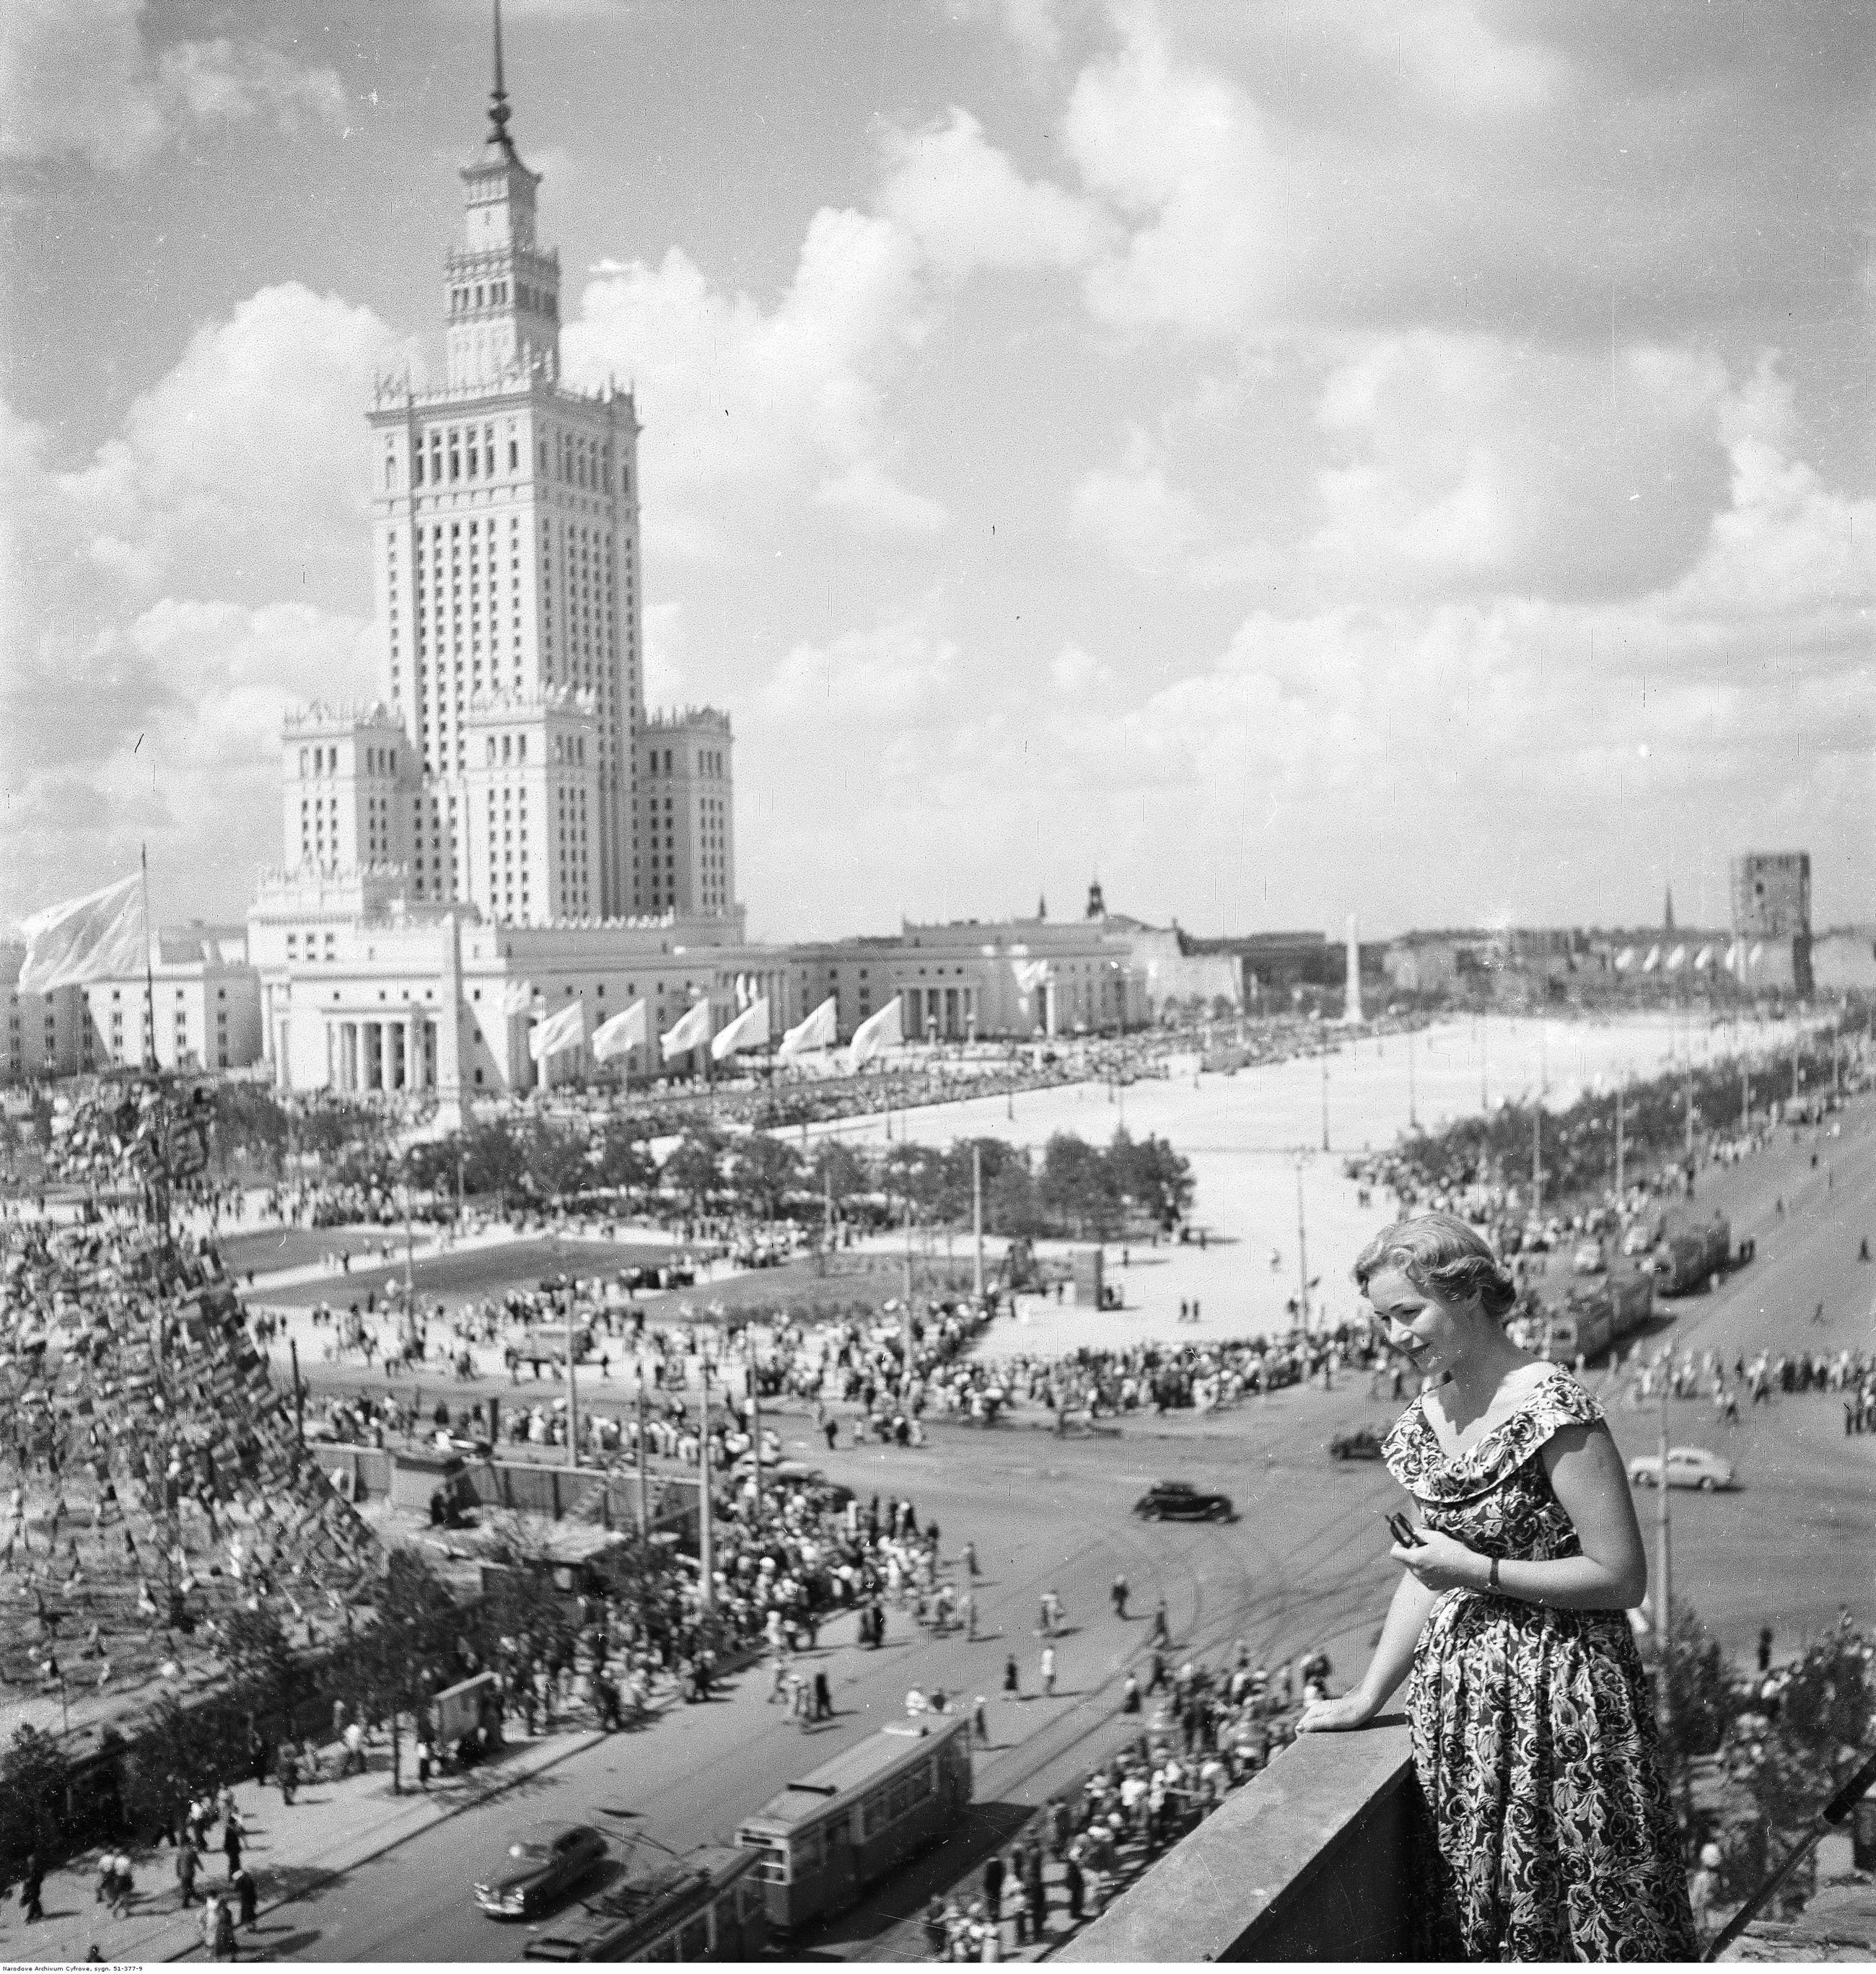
1323 1856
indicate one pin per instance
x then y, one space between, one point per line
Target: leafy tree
763 1169
556 1161
625 1161
1077 1185
693 1168
1011 1205
838 1169
33 1779
431 1167
494 1159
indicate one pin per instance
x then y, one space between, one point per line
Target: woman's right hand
1335 1716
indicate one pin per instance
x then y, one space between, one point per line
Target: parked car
1588 1258
538 1864
1687 1466
1180 1501
1360 1442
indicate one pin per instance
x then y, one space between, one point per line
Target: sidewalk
332 1828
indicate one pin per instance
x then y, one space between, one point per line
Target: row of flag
565 1029
1736 958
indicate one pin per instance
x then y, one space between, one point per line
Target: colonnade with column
949 1013
381 1052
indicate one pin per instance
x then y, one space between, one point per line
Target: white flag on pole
821 1031
1625 959
629 1029
1653 959
1676 959
876 1033
749 1029
559 1032
103 935
1703 959
1030 974
517 997
692 1031
1757 953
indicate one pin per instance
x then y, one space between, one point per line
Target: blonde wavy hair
1442 1255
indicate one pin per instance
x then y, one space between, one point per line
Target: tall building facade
689 813
509 602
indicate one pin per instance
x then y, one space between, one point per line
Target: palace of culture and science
504 833
505 812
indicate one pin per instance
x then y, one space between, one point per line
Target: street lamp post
977 1217
1325 1097
1303 1294
706 1558
748 1338
644 1476
1413 1120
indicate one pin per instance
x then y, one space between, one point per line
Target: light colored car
1687 1466
1588 1258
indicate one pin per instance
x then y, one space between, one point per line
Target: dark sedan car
1180 1501
1362 1443
539 1863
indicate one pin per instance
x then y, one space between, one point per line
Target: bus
707 1905
855 1818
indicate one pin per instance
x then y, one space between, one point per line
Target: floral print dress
1533 1729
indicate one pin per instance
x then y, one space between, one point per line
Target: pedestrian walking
1048 1672
30 1887
231 1848
1012 1679
980 1717
970 1559
1073 1886
248 1893
185 1863
1162 1631
1118 1596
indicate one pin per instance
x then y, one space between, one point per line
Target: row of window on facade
461 453
494 294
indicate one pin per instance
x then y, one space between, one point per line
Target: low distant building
204 996
1843 959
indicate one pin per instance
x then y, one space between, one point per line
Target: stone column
448 1073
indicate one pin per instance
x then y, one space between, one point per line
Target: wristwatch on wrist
1491 1579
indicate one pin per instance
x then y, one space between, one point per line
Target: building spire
499 112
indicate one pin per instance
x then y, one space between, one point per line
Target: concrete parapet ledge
1322 1856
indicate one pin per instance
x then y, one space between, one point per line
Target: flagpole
149 970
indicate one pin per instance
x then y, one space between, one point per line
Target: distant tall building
506 563
689 842
1667 909
1772 907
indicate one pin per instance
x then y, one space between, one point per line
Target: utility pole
1690 1114
977 1215
1413 1120
706 1558
1619 1188
827 1212
1663 1571
293 1354
1484 1104
1303 1295
572 1391
645 1473
1325 1096
1745 1095
1537 1160
749 1337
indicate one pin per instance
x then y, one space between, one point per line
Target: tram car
707 1905
824 1839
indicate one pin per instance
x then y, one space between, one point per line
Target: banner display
559 1032
103 935
875 1035
692 1031
820 1031
630 1029
749 1029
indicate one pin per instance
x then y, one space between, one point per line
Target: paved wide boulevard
1305 1566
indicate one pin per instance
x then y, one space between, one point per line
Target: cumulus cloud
743 405
153 598
968 207
76 80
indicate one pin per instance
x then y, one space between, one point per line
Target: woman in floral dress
1533 1729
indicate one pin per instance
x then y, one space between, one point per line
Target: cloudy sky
1288 459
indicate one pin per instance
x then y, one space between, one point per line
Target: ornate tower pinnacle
499 112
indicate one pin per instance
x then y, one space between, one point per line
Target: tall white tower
505 554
